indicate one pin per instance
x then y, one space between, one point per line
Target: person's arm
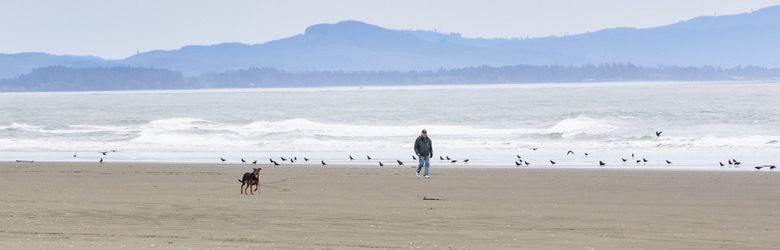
431 149
416 146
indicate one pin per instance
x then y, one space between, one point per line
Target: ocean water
702 123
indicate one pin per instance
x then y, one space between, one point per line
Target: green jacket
422 146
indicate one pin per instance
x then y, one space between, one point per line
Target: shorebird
306 159
296 158
518 156
658 133
721 164
736 163
368 157
104 152
668 162
448 157
758 167
74 154
517 163
527 163
323 163
570 152
624 160
601 163
400 163
242 160
453 161
552 162
276 164
632 155
638 161
534 148
381 165
101 160
414 157
731 162
283 159
222 159
466 161
271 160
291 160
644 160
771 167
586 154
254 162
350 158
441 158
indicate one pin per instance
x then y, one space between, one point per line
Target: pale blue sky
116 29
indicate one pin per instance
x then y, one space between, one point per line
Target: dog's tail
239 180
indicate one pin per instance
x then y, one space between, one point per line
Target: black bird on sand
771 167
758 167
517 163
658 133
368 157
306 159
466 161
552 162
448 158
101 160
668 162
381 165
736 162
638 161
527 163
350 158
453 161
283 159
242 160
570 152
400 163
441 158
291 160
271 160
222 159
601 163
323 163
644 160
721 164
254 162
276 164
414 157
731 162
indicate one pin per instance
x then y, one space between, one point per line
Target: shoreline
174 206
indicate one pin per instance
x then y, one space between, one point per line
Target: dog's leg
242 188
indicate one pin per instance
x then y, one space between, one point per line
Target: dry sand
150 206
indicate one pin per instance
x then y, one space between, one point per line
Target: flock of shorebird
519 162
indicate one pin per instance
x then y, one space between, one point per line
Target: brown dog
249 179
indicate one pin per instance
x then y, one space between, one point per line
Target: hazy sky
116 29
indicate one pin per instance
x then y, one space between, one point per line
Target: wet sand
166 206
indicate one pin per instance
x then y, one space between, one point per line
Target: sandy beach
166 206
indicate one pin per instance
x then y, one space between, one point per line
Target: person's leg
427 164
420 164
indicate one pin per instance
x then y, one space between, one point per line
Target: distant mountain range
727 41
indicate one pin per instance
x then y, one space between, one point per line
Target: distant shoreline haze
61 78
732 47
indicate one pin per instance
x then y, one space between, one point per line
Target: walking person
424 152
